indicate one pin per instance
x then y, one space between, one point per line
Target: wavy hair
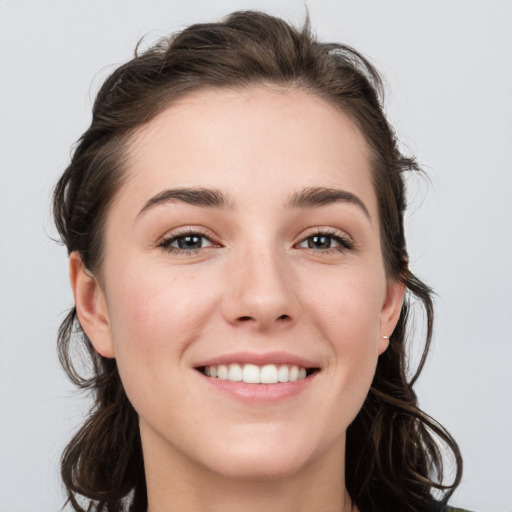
394 450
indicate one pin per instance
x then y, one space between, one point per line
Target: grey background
448 67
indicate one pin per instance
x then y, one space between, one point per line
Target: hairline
124 142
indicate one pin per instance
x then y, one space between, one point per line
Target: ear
390 312
91 306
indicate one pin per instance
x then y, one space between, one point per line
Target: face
243 292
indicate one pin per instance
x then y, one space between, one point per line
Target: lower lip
266 393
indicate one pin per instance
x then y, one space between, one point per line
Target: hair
393 449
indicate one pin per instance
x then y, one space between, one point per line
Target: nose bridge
261 290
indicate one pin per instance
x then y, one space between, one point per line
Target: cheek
157 304
154 316
348 317
348 305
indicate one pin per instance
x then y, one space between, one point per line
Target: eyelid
165 241
345 240
186 230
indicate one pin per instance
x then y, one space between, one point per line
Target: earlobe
390 312
91 306
383 344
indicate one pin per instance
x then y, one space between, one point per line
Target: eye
326 241
186 243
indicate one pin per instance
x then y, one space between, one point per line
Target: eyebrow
310 197
314 197
204 197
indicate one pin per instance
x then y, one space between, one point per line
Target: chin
260 468
261 460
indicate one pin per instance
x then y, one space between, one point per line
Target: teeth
268 374
222 372
253 374
283 374
235 372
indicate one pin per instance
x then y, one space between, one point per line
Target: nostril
245 318
284 317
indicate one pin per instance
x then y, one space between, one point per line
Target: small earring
385 337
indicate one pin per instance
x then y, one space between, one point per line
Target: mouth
255 374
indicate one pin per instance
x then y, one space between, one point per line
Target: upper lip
259 359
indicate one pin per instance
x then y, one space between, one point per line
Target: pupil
189 242
319 242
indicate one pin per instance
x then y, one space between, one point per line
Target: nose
262 290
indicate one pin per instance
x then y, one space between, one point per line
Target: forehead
257 139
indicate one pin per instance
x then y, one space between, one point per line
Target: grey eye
190 242
320 242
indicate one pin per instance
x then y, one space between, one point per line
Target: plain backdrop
448 68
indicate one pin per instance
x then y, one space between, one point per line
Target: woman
234 218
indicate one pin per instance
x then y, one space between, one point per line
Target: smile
254 374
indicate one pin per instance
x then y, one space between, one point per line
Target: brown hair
393 456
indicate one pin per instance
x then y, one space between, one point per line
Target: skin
255 286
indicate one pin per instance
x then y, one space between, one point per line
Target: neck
177 484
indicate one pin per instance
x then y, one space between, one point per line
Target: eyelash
345 243
175 237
